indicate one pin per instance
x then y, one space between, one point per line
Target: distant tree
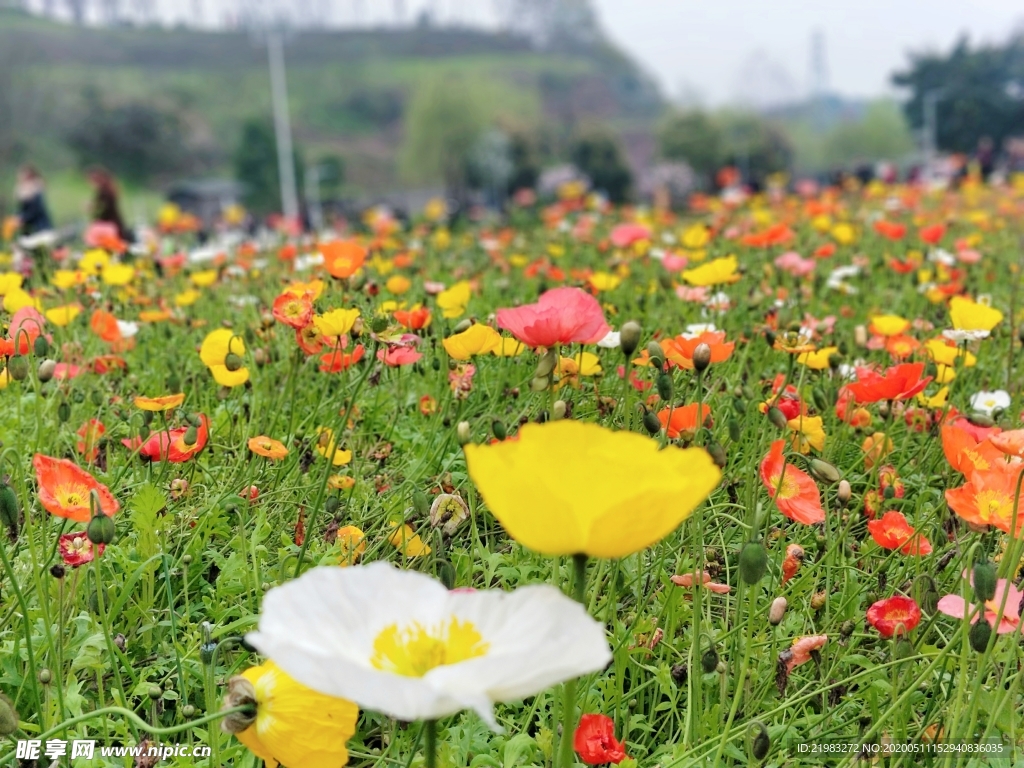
694 138
331 173
255 163
981 92
758 146
599 155
525 156
881 134
443 123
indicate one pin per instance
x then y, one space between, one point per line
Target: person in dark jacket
105 203
32 212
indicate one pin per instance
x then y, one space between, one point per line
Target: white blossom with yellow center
399 643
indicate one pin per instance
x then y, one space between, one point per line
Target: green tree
694 138
979 92
255 163
881 134
599 155
757 146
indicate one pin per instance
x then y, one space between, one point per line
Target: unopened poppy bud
760 741
498 428
777 418
46 369
191 436
701 357
462 432
97 397
461 326
41 347
718 454
734 430
709 661
846 628
540 383
232 362
753 562
57 571
860 336
984 580
902 649
769 337
10 516
101 529
656 354
843 493
188 711
155 692
45 676
17 367
629 337
665 386
8 717
981 420
651 422
980 634
777 611
547 363
889 492
558 410
818 600
241 693
835 360
260 356
679 674
820 399
824 471
331 505
379 324
446 574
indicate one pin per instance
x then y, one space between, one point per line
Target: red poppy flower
413 319
89 435
895 614
169 445
890 229
683 418
296 311
337 360
76 549
794 491
899 382
892 531
395 356
932 234
560 316
679 351
595 743
65 489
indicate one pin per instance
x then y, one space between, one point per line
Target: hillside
348 90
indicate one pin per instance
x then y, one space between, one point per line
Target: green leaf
145 505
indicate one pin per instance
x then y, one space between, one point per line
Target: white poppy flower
990 402
693 330
399 643
941 256
960 336
127 328
611 341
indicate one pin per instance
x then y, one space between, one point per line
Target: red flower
795 493
895 614
65 489
76 549
170 445
683 418
932 234
413 319
561 316
595 743
899 382
890 229
395 356
89 435
337 360
892 531
296 311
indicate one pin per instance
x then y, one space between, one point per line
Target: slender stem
430 742
565 759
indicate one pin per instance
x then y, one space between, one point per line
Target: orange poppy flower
267 447
162 403
876 447
89 435
892 531
65 489
899 382
964 453
292 310
684 419
336 361
343 258
104 325
987 498
901 347
679 351
794 491
414 319
310 339
792 562
1011 442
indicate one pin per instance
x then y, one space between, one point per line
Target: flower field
734 486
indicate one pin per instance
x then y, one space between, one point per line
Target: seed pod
760 742
824 471
46 370
101 529
777 418
460 327
446 574
629 337
9 514
777 611
462 432
734 430
984 578
818 600
843 493
331 505
41 347
753 562
665 386
17 367
232 362
558 409
979 635
498 428
8 717
651 422
656 354
709 661
820 399
701 357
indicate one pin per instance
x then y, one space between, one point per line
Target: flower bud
420 502
709 661
46 369
446 574
718 454
462 432
10 516
191 436
835 360
846 628
460 327
540 383
332 503
734 430
17 368
981 632
45 676
498 428
860 336
651 422
188 711
679 674
777 418
701 357
843 493
558 410
665 386
769 337
629 337
760 741
232 362
818 600
57 571
753 562
824 471
155 692
101 529
546 364
241 693
819 398
8 717
777 611
984 579
41 347
656 354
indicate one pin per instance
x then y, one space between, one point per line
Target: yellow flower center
71 495
991 505
414 650
786 485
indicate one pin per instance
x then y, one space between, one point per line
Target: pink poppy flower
795 264
674 263
76 549
561 316
958 608
687 580
624 235
26 326
800 652
66 371
968 256
395 356
100 234
697 295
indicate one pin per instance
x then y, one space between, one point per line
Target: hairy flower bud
753 562
462 432
101 529
656 354
558 409
984 579
777 418
232 362
824 471
546 364
629 337
17 367
701 357
777 611
843 493
46 369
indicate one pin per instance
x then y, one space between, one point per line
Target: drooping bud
709 661
41 347
843 493
446 573
241 693
46 369
331 505
101 529
558 410
980 634
846 628
540 383
734 430
8 717
191 436
460 327
777 418
819 398
232 362
760 741
629 337
651 422
665 386
498 428
420 502
701 357
462 432
155 692
753 562
17 367
656 354
825 472
777 611
546 364
984 580
10 517
718 454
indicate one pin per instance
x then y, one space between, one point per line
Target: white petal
611 341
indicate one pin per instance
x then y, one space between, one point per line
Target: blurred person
33 215
106 203
986 157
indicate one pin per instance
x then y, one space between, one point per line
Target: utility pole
282 127
930 117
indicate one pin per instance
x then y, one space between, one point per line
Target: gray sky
707 47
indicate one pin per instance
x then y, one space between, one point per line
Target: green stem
430 742
565 759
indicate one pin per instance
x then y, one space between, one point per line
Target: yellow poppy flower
817 360
453 301
808 432
478 339
969 315
10 281
313 287
938 400
68 278
337 322
604 281
351 545
62 316
93 262
398 284
889 325
947 354
844 233
715 272
567 488
205 278
696 236
509 348
294 726
162 403
118 274
215 351
325 446
407 541
187 298
19 299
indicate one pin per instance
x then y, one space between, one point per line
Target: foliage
693 137
598 153
256 167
